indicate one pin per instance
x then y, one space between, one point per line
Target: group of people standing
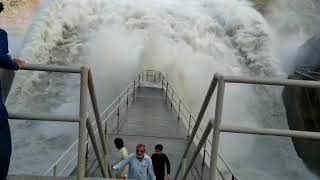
139 165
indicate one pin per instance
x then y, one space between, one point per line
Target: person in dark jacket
159 160
5 136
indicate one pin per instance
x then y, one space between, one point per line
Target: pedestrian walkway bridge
149 111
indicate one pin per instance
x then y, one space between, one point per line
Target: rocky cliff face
303 104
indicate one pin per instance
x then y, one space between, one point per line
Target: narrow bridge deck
148 120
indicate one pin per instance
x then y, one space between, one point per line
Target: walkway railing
215 123
184 114
113 110
312 75
86 83
87 139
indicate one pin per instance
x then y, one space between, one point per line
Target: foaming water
187 40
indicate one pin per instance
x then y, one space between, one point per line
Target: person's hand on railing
19 62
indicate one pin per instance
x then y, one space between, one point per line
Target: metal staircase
90 153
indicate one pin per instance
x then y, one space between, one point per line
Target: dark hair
1 7
158 147
119 143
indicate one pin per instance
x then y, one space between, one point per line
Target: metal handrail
61 158
54 165
86 83
310 75
215 123
119 99
173 94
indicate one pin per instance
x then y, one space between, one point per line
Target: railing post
198 149
139 80
154 78
95 106
105 126
203 109
183 167
171 98
179 109
101 163
216 128
134 89
159 76
118 115
82 124
203 159
161 84
128 97
189 128
167 90
55 171
87 155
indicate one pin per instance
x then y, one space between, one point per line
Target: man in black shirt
159 160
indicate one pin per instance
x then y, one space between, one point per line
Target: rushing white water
188 40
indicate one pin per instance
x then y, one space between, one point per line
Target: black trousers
160 177
5 148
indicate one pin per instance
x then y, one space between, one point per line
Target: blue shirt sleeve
122 163
5 59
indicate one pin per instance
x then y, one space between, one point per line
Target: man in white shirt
121 155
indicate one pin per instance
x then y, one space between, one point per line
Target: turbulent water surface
188 40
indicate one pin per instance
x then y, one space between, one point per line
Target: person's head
1 7
158 149
140 151
118 143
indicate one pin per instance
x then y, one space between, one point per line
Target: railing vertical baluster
198 121
179 109
105 125
161 84
216 128
87 155
134 89
139 80
167 91
142 77
118 115
100 156
95 107
203 159
82 124
147 75
171 98
197 151
128 97
189 128
55 170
